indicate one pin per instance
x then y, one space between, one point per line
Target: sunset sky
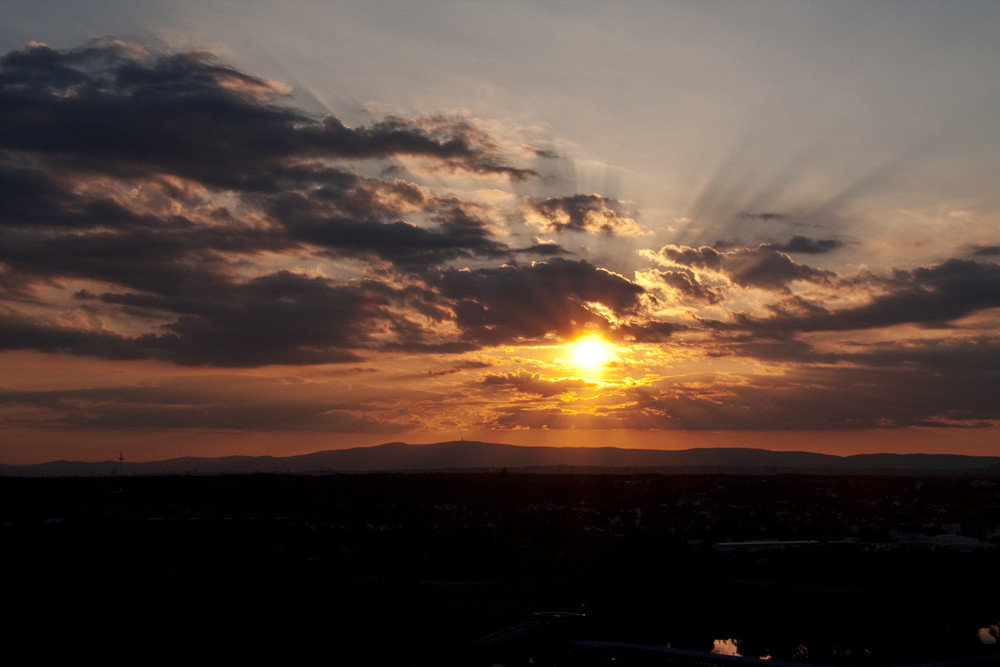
275 228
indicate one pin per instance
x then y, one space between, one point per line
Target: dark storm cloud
977 355
930 296
649 331
526 302
355 217
15 286
533 383
113 111
402 243
545 153
158 261
987 251
456 144
33 201
686 284
360 217
112 164
543 250
762 267
764 216
280 318
22 332
806 246
30 197
581 213
772 349
112 108
457 368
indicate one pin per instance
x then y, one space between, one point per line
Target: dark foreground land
412 569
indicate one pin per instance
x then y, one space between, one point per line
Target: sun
591 352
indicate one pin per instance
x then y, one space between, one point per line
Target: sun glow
591 352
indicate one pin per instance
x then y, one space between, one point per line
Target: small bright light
591 352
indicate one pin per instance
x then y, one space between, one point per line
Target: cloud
764 216
684 286
403 243
168 206
972 357
544 249
647 331
280 318
219 402
356 218
524 382
457 368
122 112
544 153
806 246
970 354
580 213
762 267
528 302
803 398
171 183
930 296
22 332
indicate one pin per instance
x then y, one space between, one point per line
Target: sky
275 228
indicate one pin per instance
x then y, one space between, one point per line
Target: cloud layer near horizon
165 207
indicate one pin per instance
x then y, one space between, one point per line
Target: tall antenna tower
121 464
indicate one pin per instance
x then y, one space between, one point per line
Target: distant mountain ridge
474 455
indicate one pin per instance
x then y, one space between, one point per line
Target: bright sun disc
591 352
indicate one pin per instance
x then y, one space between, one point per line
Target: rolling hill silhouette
479 456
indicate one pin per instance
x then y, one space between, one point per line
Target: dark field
411 569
